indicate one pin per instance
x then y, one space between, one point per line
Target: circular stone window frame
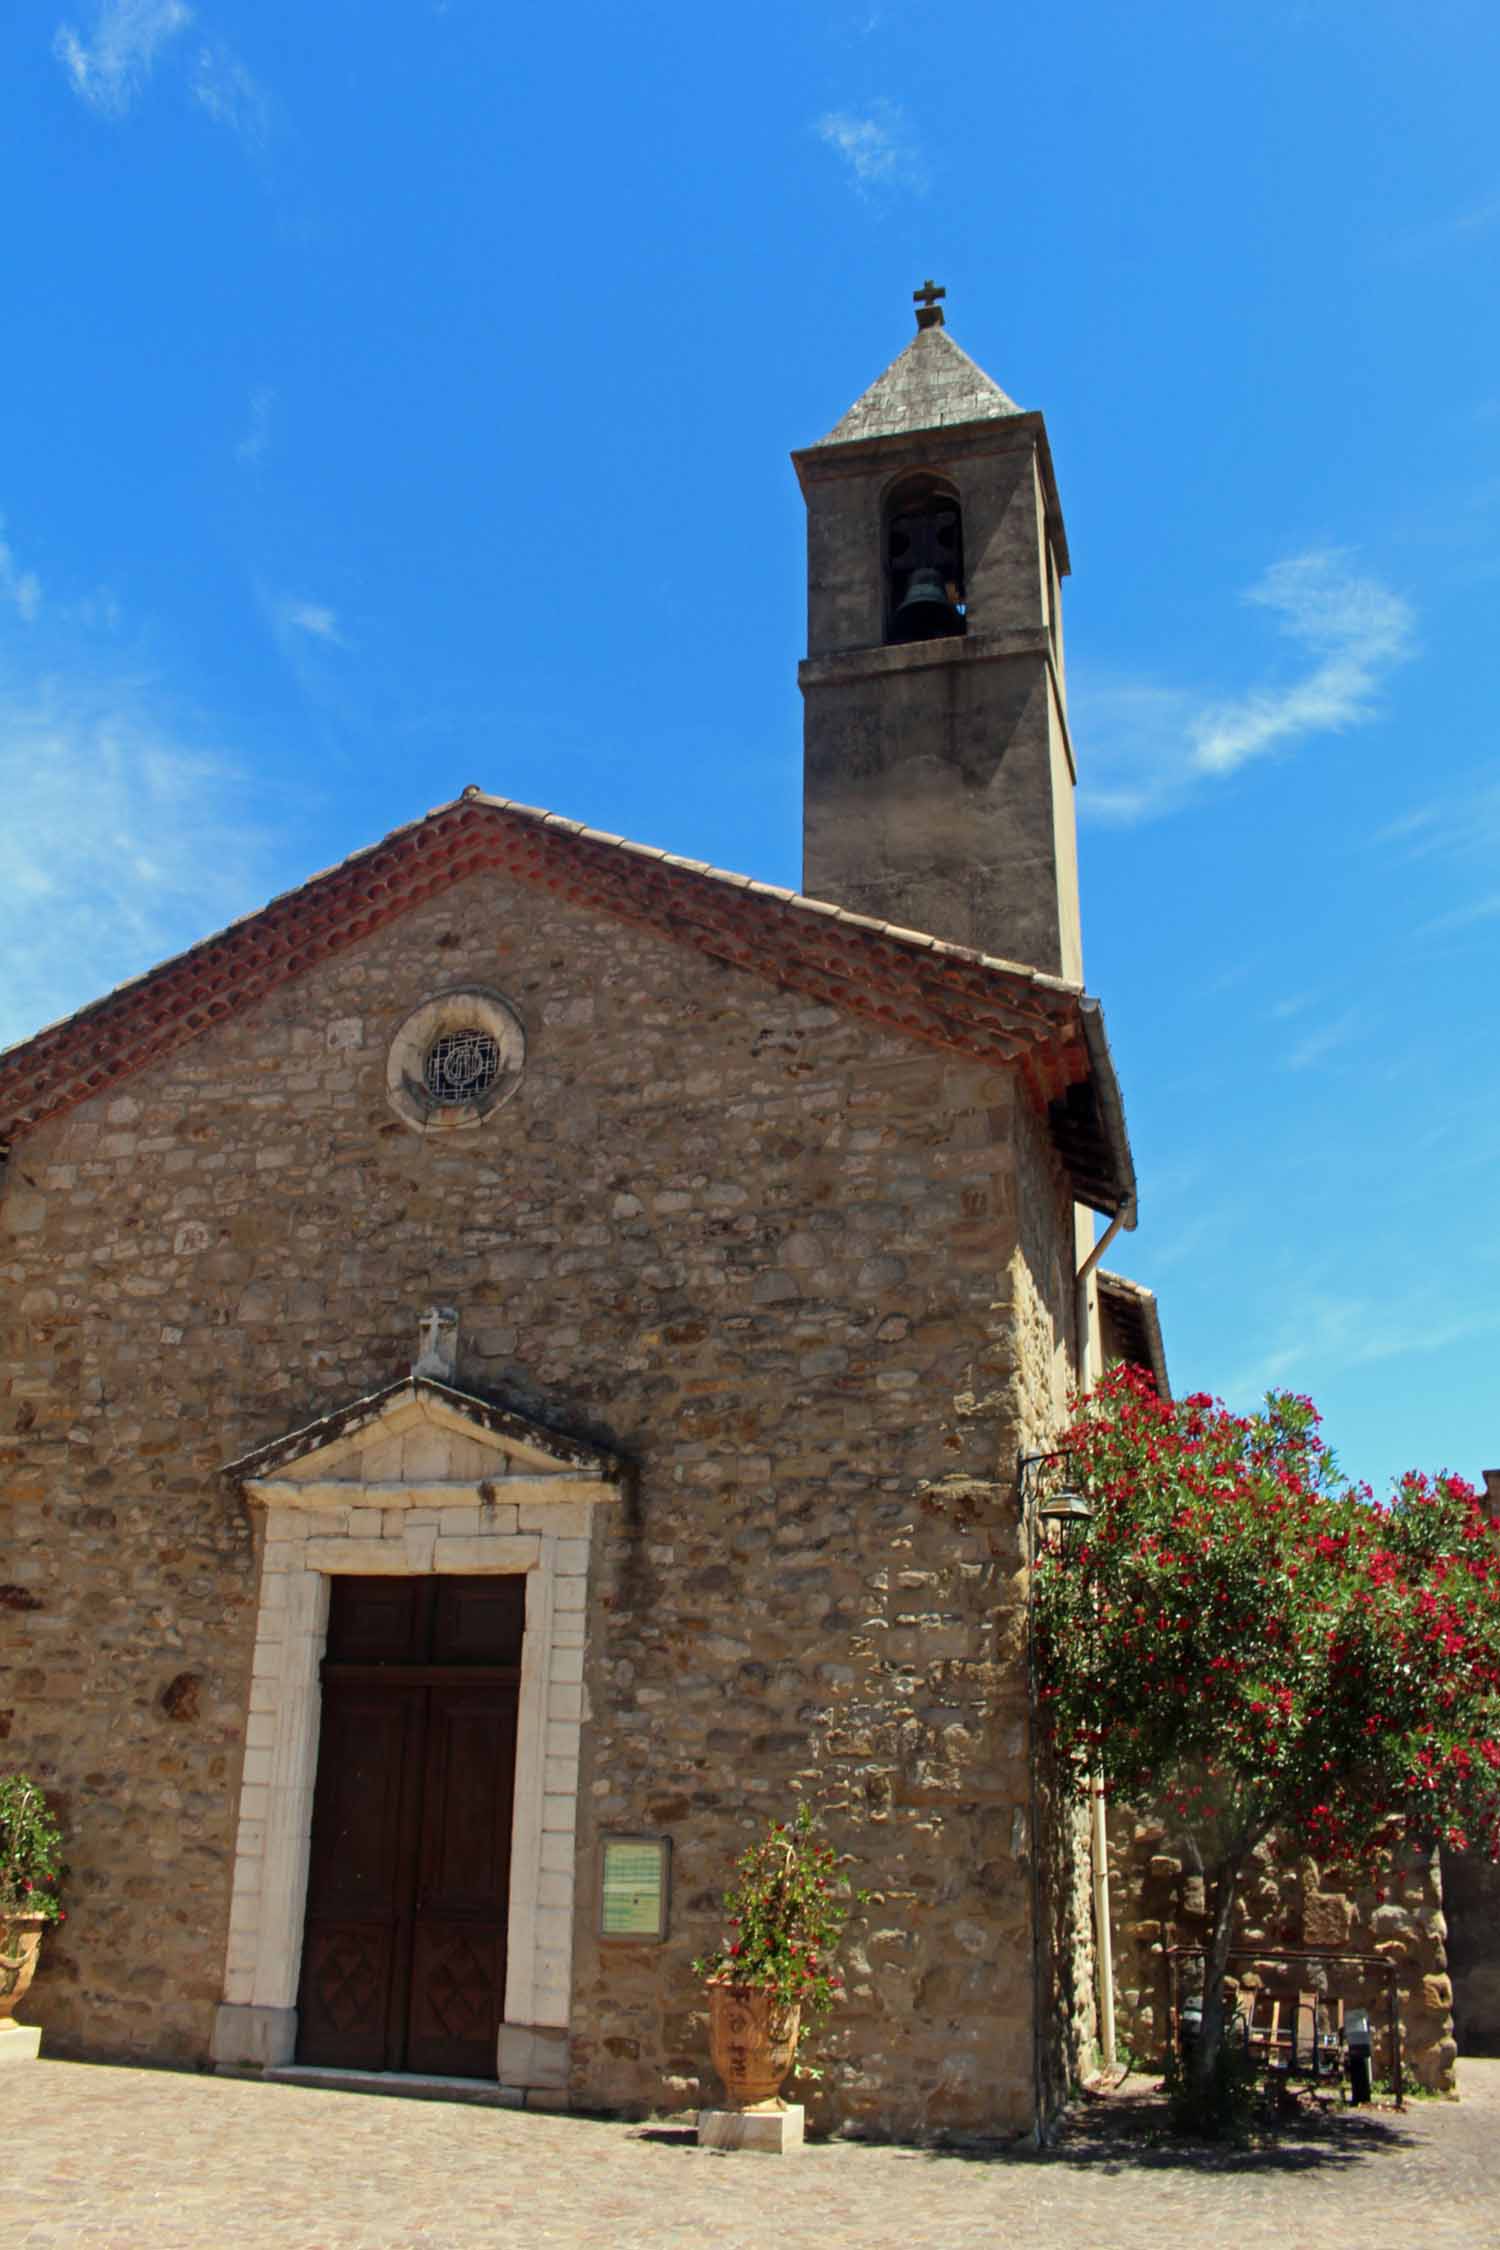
466 1007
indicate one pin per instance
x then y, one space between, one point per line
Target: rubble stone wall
810 1278
1158 1901
1068 2048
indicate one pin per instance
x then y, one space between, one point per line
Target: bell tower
938 772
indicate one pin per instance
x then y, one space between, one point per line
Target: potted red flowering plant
773 1976
31 1868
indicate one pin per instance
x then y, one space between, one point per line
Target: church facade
514 1362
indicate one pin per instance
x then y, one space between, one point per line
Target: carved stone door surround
419 1477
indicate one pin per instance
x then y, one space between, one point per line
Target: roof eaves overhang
1088 1127
1134 1308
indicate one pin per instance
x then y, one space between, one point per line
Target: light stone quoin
417 1479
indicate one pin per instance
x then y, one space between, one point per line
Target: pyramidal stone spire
932 385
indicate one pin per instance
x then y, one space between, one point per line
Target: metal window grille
461 1066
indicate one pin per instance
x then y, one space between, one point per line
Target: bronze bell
925 611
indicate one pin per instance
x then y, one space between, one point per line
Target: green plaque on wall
633 1887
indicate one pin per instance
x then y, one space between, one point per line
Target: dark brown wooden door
403 1958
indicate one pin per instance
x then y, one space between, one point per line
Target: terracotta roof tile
995 1012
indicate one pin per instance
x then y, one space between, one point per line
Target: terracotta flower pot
752 2037
20 1943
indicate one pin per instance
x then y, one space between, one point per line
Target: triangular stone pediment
424 1443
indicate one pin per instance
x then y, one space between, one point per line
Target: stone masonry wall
1068 2045
770 1254
1157 1900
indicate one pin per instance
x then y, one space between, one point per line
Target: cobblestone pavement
96 2156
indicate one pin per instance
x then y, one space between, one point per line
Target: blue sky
398 395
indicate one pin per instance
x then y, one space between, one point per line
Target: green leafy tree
1246 1638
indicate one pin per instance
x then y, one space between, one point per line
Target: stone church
514 1366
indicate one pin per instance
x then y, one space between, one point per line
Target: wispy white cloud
1149 744
109 69
1459 823
1314 1045
21 588
312 617
312 642
124 835
1466 917
255 443
1451 843
877 145
1320 1335
224 87
1134 745
1355 628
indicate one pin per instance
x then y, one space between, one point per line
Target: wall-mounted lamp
1058 1499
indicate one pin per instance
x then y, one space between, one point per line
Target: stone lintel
418 1556
443 1492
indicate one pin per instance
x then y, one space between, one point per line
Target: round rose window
461 1065
455 1059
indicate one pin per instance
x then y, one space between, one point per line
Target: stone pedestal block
250 2036
775 2128
20 2042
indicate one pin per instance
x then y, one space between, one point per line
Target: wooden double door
403 1956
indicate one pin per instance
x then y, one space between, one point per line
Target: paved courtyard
98 2156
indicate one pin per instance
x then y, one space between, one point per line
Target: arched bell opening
923 540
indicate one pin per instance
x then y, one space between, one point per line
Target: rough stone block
267 2036
533 2056
775 2130
1326 1917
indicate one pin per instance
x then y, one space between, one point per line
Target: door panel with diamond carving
365 1821
458 1960
403 1960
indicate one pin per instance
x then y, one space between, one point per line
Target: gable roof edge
903 980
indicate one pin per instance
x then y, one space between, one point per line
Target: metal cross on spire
929 311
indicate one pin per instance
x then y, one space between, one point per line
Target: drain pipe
1104 1950
1124 1217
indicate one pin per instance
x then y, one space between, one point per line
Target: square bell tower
938 771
